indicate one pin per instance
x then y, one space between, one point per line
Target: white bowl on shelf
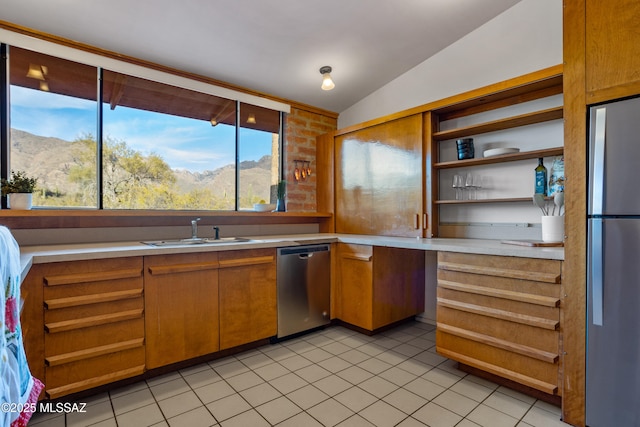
263 207
499 151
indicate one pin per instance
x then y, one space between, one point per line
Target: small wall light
37 71
214 121
327 83
251 119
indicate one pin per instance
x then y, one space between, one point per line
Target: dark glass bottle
541 178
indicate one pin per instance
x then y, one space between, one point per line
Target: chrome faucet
194 228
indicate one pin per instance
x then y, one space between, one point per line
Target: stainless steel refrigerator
613 277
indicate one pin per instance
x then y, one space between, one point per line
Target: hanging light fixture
251 119
214 122
327 83
37 71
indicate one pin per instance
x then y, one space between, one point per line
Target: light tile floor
332 377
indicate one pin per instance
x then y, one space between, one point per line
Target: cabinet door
247 296
181 305
355 284
613 49
398 284
379 179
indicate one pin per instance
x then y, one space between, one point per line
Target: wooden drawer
93 323
501 315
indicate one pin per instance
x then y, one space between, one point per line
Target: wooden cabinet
512 104
247 296
612 49
378 179
501 315
93 323
378 286
181 304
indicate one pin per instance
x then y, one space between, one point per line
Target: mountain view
66 177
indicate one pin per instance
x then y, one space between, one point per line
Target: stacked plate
500 151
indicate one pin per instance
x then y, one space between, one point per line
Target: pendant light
327 83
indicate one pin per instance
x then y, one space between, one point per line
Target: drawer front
93 323
501 315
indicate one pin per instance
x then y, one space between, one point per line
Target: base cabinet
247 299
378 286
501 315
181 304
93 317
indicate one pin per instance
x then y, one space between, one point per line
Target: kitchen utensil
558 200
538 200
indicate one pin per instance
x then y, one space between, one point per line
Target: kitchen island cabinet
181 305
501 315
248 310
378 286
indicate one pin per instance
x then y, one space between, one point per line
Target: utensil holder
553 228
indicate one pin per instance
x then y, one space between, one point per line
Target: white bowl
500 151
263 207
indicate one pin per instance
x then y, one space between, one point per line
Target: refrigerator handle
597 273
597 177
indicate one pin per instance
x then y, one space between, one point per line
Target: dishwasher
304 288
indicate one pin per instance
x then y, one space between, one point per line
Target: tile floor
333 377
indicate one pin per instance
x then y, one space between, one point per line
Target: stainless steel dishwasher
304 288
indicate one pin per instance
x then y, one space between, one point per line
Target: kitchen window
142 145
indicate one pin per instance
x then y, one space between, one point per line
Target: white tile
231 369
179 404
355 375
415 367
278 352
517 395
332 384
111 422
319 340
163 378
170 388
375 366
198 417
430 358
441 377
435 415
228 407
301 420
256 360
486 383
372 349
45 419
407 350
455 402
330 412
244 381
246 419
307 396
271 370
295 362
141 417
354 356
202 378
300 346
467 423
215 391
334 364
121 391
423 388
405 400
387 342
507 404
382 414
131 401
398 376
312 373
358 340
287 383
278 410
377 386
317 355
488 417
471 389
538 417
355 398
392 357
95 413
260 394
548 407
194 369
336 347
355 421
411 422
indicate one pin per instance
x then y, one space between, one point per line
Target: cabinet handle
416 222
424 221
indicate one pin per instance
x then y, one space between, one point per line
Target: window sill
49 218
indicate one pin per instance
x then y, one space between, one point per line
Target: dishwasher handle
305 255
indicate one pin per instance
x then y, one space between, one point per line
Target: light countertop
30 255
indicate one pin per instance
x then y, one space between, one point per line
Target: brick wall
300 130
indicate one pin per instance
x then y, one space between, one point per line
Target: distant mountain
48 159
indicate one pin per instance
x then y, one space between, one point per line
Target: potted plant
19 190
281 192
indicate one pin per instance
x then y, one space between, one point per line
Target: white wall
525 38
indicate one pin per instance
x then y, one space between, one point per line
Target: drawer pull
92 299
86 322
159 270
524 350
241 262
500 293
357 257
502 372
500 314
88 353
501 272
101 276
94 382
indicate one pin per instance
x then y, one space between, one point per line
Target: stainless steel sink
197 241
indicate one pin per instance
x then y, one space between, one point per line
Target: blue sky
183 143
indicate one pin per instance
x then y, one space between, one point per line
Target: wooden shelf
547 152
466 202
502 124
